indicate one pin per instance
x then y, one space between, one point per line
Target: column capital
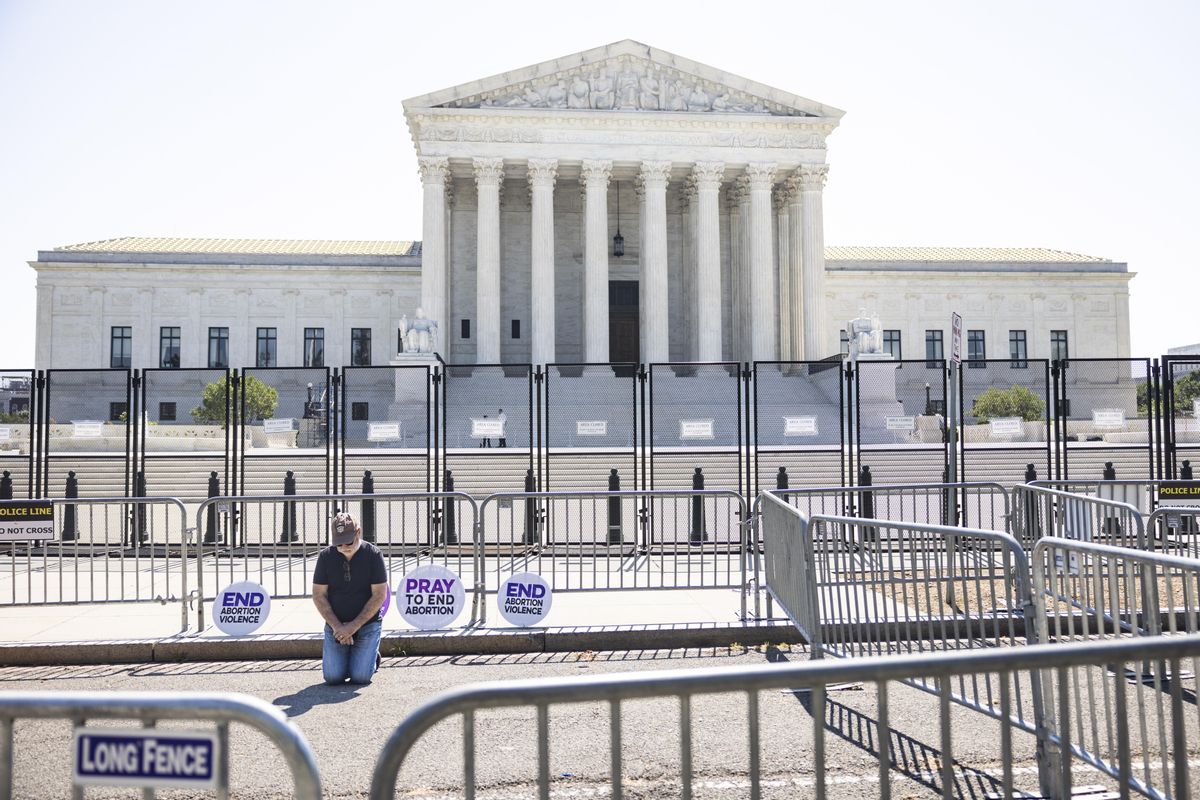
760 175
596 173
433 169
708 174
812 176
781 196
656 174
739 190
542 171
488 171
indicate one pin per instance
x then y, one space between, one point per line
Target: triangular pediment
625 76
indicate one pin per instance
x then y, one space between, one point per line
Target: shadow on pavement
321 694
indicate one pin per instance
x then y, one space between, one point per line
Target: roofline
226 259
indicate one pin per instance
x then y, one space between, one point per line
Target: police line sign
26 520
150 757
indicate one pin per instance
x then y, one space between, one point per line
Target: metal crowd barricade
1075 668
274 540
977 504
1039 512
151 708
622 540
1141 494
105 550
1175 529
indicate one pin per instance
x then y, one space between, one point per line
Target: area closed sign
147 758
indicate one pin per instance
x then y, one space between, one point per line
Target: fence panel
1039 511
696 420
1175 530
183 435
900 421
797 417
285 427
479 464
278 538
1006 410
386 422
87 432
1103 416
18 430
975 505
78 708
1181 420
591 424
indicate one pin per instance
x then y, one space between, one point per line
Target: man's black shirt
348 596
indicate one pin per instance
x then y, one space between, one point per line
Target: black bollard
530 509
1187 523
698 534
615 534
210 524
867 506
1032 529
1185 472
451 511
139 535
1030 473
6 486
368 508
288 534
1111 525
781 478
1110 472
70 531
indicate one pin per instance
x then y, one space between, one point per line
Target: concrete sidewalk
604 620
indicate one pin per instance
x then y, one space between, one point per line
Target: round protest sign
524 599
387 602
241 608
430 597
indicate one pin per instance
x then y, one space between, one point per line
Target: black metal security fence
426 426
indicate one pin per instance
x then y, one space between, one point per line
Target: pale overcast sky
1070 125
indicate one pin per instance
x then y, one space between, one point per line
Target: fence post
450 512
368 508
698 534
615 535
288 534
867 506
6 486
781 478
210 524
70 531
530 509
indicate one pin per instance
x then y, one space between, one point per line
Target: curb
397 644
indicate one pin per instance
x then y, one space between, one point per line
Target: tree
1186 390
1015 402
259 400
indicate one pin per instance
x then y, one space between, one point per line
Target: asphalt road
347 727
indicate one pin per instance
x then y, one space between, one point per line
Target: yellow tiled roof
324 247
984 254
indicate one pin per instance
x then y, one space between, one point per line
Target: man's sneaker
378 661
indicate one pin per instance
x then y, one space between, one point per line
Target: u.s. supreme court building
619 204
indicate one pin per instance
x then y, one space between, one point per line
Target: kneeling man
349 587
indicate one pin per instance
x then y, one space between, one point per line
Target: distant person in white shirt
503 428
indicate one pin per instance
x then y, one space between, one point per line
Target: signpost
149 758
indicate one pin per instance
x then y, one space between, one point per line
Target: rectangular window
121 349
168 348
516 329
117 412
933 349
360 411
465 329
976 349
218 348
844 341
360 347
264 350
166 412
1058 346
1017 349
891 343
314 347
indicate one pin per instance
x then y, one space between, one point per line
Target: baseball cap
343 527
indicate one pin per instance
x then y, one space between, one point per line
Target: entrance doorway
624 342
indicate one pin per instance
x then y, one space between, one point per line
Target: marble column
708 176
655 322
542 174
780 268
762 284
795 270
744 268
595 178
434 171
489 174
812 181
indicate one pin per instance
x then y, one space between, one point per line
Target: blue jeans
354 661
